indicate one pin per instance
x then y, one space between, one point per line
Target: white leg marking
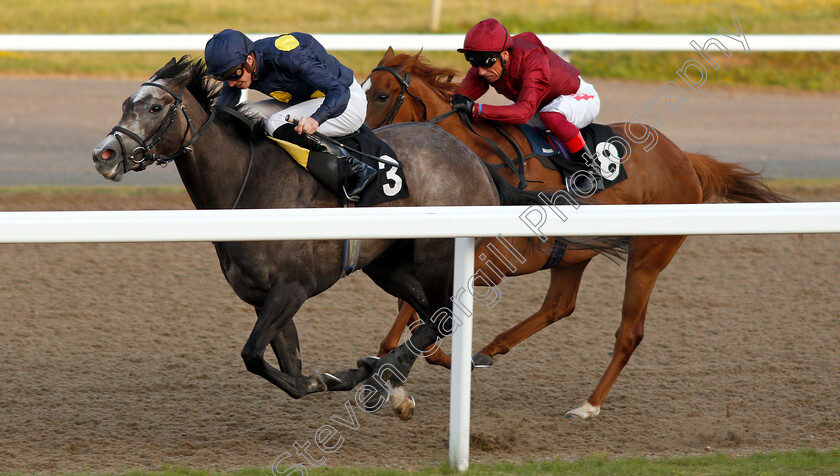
396 395
585 411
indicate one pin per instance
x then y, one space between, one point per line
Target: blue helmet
227 49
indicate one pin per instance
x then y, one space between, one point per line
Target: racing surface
121 356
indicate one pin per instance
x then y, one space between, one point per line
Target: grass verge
804 71
802 462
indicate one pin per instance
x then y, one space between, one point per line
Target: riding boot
583 156
363 175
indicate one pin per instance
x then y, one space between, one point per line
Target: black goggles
233 74
481 59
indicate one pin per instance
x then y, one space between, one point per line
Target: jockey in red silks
547 91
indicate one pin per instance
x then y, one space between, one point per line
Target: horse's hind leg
649 255
424 281
496 259
559 302
408 318
392 338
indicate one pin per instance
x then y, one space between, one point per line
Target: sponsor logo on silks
286 43
281 96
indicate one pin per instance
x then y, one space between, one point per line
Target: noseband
143 152
404 82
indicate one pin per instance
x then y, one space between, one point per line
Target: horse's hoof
406 410
368 362
584 411
481 361
317 383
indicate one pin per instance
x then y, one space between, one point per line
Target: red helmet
487 35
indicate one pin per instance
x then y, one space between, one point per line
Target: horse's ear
168 65
188 71
411 62
389 53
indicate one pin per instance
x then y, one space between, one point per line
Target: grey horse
224 164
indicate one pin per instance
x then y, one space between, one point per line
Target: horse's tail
614 247
733 182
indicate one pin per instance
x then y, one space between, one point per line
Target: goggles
481 59
233 74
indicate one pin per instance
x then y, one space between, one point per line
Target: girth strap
352 249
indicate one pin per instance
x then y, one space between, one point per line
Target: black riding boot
583 156
363 175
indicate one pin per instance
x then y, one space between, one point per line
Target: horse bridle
146 145
404 81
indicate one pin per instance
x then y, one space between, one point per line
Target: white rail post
459 388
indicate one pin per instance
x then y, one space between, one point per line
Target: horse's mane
439 79
206 92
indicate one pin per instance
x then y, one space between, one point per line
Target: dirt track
50 125
124 356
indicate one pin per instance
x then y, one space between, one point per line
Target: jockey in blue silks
304 81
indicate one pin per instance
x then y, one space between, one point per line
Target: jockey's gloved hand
462 103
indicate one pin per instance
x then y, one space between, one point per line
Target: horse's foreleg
275 314
559 302
286 348
649 256
274 327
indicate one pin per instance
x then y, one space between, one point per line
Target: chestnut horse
407 88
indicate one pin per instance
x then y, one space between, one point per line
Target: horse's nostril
104 154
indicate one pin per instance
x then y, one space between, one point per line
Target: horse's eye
382 97
156 108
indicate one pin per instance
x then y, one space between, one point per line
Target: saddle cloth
333 171
608 148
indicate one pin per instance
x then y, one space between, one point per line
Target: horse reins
146 145
506 160
404 81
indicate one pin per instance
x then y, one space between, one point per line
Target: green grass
806 71
802 462
411 16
